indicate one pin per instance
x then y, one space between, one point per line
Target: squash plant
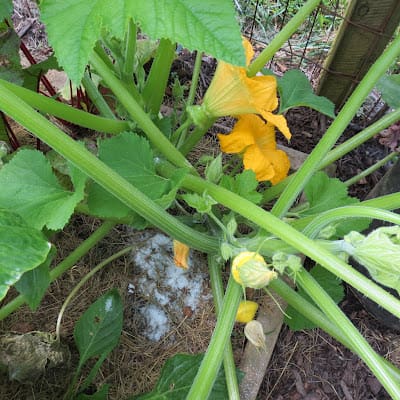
140 170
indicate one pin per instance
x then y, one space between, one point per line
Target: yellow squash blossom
256 140
246 311
181 254
249 269
232 92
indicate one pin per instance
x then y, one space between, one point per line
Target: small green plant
139 171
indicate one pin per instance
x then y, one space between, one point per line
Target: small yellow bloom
249 269
256 140
232 92
181 254
246 311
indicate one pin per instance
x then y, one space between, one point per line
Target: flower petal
279 121
281 164
241 135
181 254
255 160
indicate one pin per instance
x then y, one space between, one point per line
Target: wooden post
366 30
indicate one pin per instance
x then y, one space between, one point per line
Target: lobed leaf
295 90
22 248
74 26
209 26
244 184
31 189
131 156
324 193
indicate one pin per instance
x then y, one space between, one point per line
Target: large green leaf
30 188
98 330
131 156
34 283
22 248
6 8
73 26
177 377
389 86
10 65
295 90
209 25
333 286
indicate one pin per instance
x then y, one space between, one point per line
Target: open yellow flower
256 140
232 92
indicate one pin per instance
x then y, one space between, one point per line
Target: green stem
136 112
314 314
313 161
195 79
101 173
282 37
339 151
154 89
130 51
357 341
67 113
218 295
64 265
96 97
195 137
371 169
76 289
294 238
387 202
336 214
178 134
212 360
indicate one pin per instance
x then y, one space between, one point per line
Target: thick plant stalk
101 173
336 214
339 151
218 295
311 164
96 97
154 89
212 360
154 134
316 316
67 113
64 265
292 237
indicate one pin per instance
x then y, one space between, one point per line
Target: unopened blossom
255 140
249 269
233 93
246 311
181 254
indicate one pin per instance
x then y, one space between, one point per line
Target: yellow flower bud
249 269
246 311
